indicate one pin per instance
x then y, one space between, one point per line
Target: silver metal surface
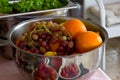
70 5
90 59
85 61
3 42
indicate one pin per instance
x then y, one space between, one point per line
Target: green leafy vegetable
30 5
5 6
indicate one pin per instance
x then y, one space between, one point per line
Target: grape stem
47 30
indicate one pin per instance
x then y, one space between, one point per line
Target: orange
87 41
74 27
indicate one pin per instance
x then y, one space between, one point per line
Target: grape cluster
44 36
44 72
69 71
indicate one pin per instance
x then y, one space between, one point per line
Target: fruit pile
69 71
46 38
58 39
44 72
85 40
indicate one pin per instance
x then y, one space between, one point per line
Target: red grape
69 71
43 36
45 72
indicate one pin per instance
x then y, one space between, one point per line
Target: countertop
10 71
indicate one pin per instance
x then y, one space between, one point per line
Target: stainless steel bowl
86 61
